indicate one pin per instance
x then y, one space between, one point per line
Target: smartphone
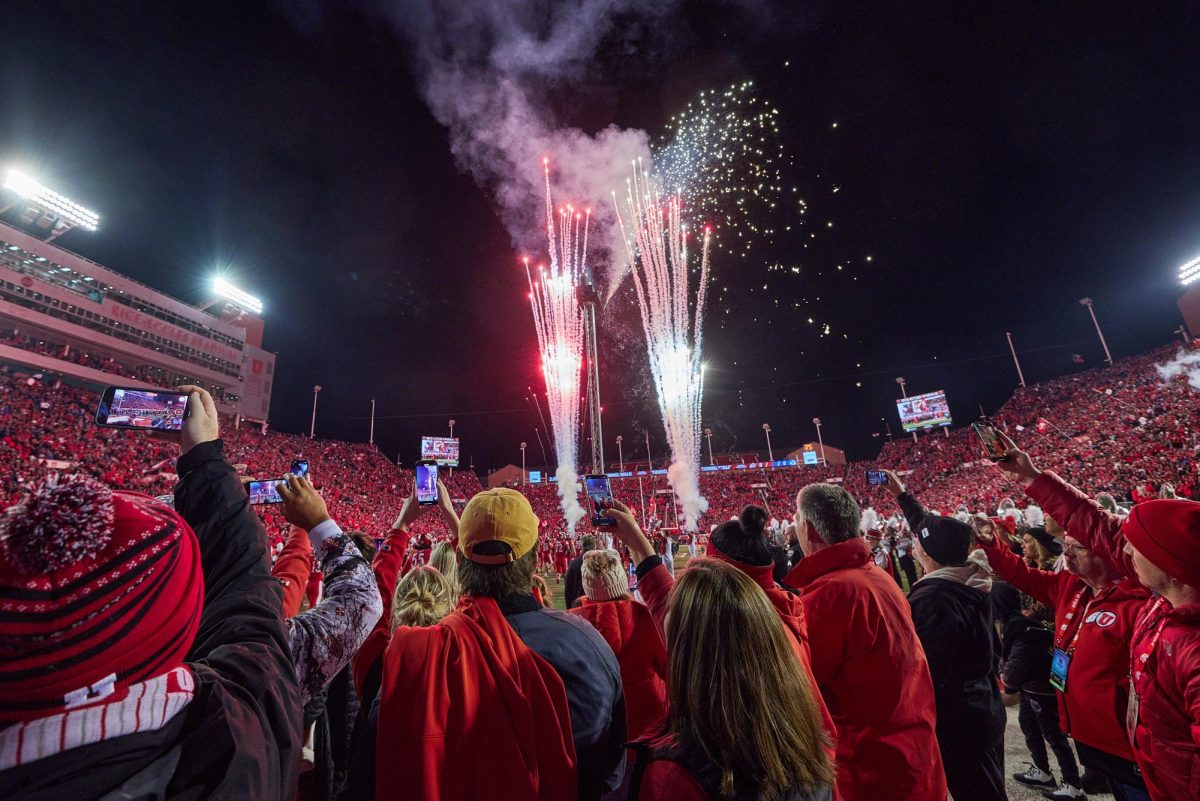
876 477
263 492
427 482
300 467
993 446
599 492
127 407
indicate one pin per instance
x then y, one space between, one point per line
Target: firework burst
558 319
656 239
724 157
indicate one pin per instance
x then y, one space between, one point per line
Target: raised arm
292 569
325 638
241 636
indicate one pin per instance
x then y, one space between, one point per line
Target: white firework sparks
656 239
559 323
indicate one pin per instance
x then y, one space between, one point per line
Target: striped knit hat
98 590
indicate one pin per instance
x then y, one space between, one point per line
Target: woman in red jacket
628 627
743 718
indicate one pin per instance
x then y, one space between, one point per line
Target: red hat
98 590
1006 523
1167 533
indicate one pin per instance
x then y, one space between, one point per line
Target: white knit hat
604 576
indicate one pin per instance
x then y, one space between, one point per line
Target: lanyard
1140 660
1062 629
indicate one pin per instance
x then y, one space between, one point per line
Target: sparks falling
656 240
724 156
559 323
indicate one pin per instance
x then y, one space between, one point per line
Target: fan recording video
143 409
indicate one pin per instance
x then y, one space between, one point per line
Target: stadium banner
442 450
153 325
924 411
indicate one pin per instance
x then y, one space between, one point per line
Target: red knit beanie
98 590
1167 532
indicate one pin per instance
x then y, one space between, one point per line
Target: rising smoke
1184 363
485 68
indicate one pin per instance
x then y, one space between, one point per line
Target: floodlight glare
231 293
1189 272
66 209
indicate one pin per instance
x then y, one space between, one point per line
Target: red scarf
760 573
467 711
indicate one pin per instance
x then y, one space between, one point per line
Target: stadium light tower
588 300
243 300
1189 272
904 394
821 442
620 454
46 210
708 436
524 475
312 429
767 431
1088 302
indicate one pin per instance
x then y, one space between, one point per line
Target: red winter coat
388 566
1092 710
628 627
467 712
1166 742
292 568
873 676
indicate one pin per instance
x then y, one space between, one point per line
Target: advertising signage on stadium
442 450
924 411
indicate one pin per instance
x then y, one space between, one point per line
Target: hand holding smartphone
993 445
427 482
599 492
137 408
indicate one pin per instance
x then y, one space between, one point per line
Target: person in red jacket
743 720
1095 610
868 662
627 626
1159 543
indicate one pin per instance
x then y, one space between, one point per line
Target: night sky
997 163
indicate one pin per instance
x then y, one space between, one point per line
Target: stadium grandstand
63 313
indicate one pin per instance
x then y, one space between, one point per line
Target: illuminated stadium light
236 296
1189 272
67 210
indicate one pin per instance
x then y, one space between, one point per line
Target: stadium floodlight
67 210
236 296
1190 272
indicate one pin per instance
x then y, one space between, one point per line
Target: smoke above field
485 69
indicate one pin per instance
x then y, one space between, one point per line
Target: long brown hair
736 689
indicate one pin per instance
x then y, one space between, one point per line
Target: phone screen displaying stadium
262 492
599 492
142 409
876 477
427 479
992 444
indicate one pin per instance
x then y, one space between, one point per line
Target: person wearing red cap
142 651
867 659
1159 543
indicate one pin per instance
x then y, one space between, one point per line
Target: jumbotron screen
442 450
924 411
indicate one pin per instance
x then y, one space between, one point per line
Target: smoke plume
486 67
1184 363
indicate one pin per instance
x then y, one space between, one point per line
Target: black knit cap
946 539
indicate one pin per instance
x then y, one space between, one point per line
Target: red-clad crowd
758 672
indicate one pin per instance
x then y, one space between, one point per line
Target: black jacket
573 583
1026 656
954 624
239 737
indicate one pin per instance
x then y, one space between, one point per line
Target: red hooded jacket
388 564
628 627
1166 740
1092 710
292 568
469 713
873 676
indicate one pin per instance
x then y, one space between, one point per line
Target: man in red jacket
1159 543
1095 610
867 660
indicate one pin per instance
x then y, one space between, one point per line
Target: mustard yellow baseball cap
500 515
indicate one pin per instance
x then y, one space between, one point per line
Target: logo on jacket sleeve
1103 618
